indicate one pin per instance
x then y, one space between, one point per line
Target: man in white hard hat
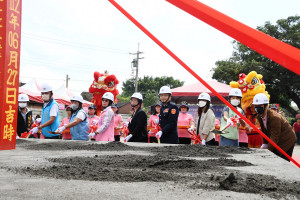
138 124
231 136
275 126
50 114
24 115
105 131
168 118
79 124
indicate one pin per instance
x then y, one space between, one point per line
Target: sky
76 37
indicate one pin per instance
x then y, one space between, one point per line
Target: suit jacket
278 130
24 126
138 127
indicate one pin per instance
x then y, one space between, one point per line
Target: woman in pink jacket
66 135
93 118
118 122
153 123
185 119
105 131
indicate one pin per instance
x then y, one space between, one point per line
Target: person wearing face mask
275 126
231 134
105 131
79 124
25 120
206 121
187 120
50 115
153 122
168 118
92 116
118 121
66 135
138 122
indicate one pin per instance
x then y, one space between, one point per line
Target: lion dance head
103 83
250 85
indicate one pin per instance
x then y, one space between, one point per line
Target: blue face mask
260 110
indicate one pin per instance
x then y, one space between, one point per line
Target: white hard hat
260 99
137 95
204 96
165 90
46 88
23 97
77 98
109 96
235 92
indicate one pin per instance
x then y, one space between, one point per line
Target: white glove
94 122
203 142
38 120
34 130
159 133
229 121
264 146
128 138
60 129
238 117
156 121
125 124
92 135
191 129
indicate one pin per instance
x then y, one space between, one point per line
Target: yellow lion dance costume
250 85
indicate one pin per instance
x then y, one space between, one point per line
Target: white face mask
201 104
46 97
22 105
74 106
235 102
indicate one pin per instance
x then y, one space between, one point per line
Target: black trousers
289 152
117 138
54 137
185 140
212 142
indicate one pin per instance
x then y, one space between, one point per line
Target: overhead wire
74 44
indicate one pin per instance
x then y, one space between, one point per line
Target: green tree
149 86
282 84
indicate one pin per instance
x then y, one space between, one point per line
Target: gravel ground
47 169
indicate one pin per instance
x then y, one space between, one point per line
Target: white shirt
80 115
54 109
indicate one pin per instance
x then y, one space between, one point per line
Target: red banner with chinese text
10 40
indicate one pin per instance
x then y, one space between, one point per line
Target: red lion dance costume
103 83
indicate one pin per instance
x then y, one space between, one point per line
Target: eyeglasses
68 110
105 100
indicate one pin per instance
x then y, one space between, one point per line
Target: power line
74 44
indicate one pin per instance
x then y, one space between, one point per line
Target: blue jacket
80 131
46 117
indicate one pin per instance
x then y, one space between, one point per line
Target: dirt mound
23 141
200 151
182 150
172 164
80 145
256 183
129 168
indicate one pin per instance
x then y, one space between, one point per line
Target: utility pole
67 80
135 63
